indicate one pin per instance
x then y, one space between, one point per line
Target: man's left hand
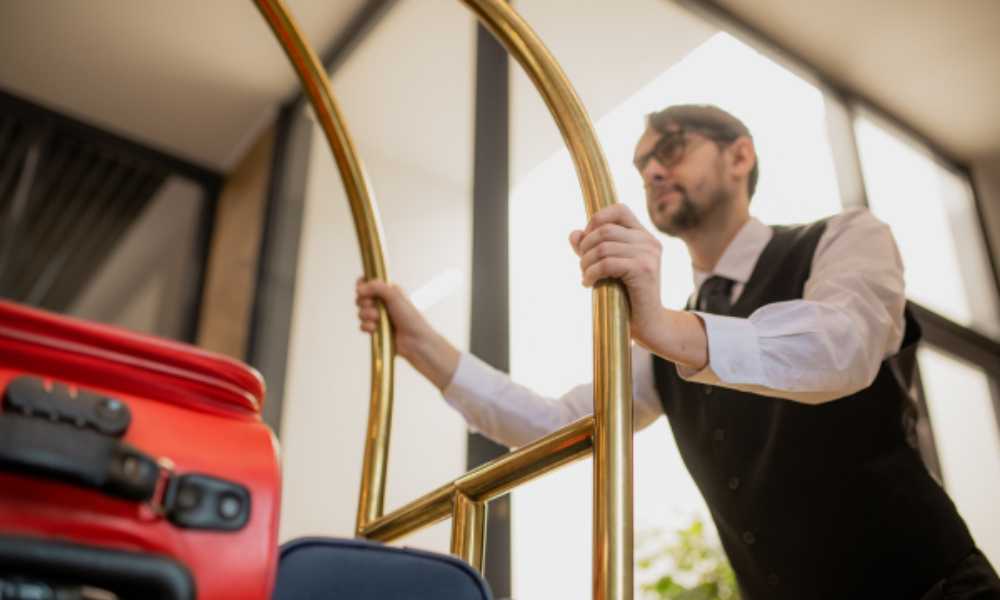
615 244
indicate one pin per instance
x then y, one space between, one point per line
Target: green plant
685 565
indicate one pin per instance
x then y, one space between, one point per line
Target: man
782 388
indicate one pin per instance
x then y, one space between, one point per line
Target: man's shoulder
854 216
857 231
855 221
858 216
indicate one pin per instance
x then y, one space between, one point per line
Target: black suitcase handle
33 566
74 438
80 456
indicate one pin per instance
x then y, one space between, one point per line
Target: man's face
683 178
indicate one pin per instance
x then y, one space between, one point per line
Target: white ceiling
199 79
935 64
195 78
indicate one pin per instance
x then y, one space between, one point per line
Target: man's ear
743 156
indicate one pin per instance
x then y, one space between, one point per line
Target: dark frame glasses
672 145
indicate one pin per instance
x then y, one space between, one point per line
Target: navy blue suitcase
348 569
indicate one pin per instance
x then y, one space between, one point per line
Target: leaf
691 556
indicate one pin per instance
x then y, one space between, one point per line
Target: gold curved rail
609 431
367 225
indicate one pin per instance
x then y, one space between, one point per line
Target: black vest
814 502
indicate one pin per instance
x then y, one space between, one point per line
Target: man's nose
654 172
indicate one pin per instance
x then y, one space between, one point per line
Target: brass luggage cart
608 434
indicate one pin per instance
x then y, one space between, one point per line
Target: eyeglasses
672 145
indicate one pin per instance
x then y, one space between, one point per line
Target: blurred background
160 170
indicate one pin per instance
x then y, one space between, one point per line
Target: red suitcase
131 466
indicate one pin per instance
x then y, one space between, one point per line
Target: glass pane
968 441
550 312
932 212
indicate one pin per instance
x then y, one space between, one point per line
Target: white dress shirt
827 345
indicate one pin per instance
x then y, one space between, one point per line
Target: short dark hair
708 120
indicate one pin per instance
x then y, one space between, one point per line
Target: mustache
655 189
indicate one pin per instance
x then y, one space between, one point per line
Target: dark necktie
714 295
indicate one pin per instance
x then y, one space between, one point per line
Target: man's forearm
434 357
678 336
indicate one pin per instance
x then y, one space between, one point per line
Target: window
932 212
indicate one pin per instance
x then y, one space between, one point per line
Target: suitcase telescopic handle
40 568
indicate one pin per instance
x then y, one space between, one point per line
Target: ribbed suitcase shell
199 410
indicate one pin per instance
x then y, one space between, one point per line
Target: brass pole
366 223
468 531
613 544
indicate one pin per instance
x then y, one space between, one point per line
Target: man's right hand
416 340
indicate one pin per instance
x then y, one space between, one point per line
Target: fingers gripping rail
608 433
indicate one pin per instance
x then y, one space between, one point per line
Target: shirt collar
740 256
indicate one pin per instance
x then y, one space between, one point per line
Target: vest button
708 390
749 538
773 580
734 483
719 434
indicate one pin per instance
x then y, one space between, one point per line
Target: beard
689 215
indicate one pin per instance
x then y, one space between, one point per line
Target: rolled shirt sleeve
829 344
514 415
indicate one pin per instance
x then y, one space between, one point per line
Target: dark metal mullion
9 158
269 336
54 224
57 167
925 430
59 218
490 304
7 127
94 250
66 182
82 250
56 154
66 234
966 343
991 256
206 228
995 397
14 215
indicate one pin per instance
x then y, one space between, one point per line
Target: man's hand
615 244
416 340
